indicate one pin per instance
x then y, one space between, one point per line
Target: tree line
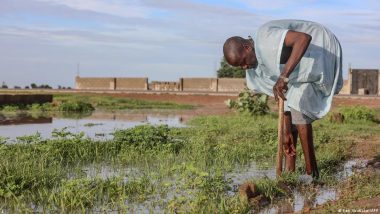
228 71
33 86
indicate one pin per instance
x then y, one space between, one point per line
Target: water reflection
301 201
23 119
95 124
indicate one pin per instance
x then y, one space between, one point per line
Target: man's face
248 59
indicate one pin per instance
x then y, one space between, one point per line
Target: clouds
159 39
120 8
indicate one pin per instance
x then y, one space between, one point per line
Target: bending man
299 61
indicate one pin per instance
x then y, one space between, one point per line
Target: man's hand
280 88
288 145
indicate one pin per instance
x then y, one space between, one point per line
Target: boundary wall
360 82
364 81
141 84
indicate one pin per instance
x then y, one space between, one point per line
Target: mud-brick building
364 81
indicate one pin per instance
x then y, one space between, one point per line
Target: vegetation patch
247 102
88 103
77 106
353 113
162 168
114 103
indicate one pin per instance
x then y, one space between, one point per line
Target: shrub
357 113
77 106
147 137
255 104
10 108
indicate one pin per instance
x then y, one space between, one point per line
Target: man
299 61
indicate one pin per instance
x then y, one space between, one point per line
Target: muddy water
95 125
305 200
299 201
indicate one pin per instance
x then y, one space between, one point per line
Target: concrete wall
97 83
365 81
25 99
184 84
231 84
131 84
164 86
199 84
346 87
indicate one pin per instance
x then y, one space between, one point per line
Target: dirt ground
215 104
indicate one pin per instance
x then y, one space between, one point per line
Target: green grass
104 102
88 103
178 169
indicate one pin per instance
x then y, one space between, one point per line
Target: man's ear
247 46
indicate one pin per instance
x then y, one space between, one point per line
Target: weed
357 113
10 108
255 104
78 106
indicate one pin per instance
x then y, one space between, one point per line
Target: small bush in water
40 107
77 106
9 108
357 113
147 137
255 104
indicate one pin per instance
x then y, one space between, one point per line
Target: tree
44 86
4 85
227 70
33 85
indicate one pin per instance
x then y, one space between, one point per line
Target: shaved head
240 52
233 49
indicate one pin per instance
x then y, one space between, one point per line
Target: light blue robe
317 77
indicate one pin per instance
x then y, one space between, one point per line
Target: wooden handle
280 136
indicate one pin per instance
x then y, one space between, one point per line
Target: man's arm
297 43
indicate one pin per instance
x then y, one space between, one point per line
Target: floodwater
306 200
100 125
299 201
97 124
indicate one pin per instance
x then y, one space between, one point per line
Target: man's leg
290 141
306 136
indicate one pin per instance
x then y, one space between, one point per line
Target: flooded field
97 124
164 161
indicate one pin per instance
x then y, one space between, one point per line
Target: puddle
105 172
97 125
301 201
350 167
305 200
242 174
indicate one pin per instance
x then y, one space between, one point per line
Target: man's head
240 52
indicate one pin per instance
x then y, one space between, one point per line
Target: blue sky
42 41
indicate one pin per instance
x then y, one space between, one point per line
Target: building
364 81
